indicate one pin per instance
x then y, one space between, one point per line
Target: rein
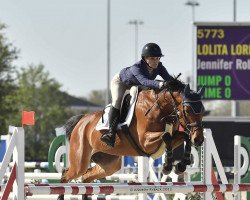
164 90
156 102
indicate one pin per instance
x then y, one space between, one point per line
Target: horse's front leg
186 160
169 159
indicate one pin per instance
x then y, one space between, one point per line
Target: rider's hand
163 84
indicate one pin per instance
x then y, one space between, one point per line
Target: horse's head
188 109
190 113
180 105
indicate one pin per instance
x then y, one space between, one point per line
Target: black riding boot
109 136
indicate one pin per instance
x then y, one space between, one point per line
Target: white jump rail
16 147
57 176
35 164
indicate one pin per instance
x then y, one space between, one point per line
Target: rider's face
153 61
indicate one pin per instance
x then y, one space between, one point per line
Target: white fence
209 152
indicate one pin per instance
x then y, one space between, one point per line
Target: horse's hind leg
63 180
106 165
79 162
70 174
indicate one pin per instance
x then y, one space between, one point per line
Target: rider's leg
117 92
109 137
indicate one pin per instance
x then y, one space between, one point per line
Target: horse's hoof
167 169
60 197
180 168
85 197
188 162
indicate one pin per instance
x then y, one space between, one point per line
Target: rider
141 73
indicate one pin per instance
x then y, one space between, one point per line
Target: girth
132 141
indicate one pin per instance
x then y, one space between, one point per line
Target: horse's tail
70 124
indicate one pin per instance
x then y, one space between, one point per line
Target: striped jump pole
131 188
79 197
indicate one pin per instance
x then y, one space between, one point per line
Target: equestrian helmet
151 49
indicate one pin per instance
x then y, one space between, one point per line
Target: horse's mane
176 85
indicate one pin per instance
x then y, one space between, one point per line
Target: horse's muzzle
197 142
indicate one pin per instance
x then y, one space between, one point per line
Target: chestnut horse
175 105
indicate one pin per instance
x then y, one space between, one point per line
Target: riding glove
163 84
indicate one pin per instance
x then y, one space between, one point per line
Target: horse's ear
201 91
187 90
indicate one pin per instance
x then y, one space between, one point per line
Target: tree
98 97
38 92
8 54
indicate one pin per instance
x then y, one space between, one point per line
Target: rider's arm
141 74
162 71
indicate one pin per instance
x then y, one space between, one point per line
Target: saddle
126 111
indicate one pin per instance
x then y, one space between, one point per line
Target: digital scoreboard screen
223 61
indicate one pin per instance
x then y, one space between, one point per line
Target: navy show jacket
138 74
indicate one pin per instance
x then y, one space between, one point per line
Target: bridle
176 112
175 115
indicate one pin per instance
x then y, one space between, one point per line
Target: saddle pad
103 123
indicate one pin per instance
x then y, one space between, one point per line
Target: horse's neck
177 97
146 99
156 103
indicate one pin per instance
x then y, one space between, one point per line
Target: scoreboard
223 60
